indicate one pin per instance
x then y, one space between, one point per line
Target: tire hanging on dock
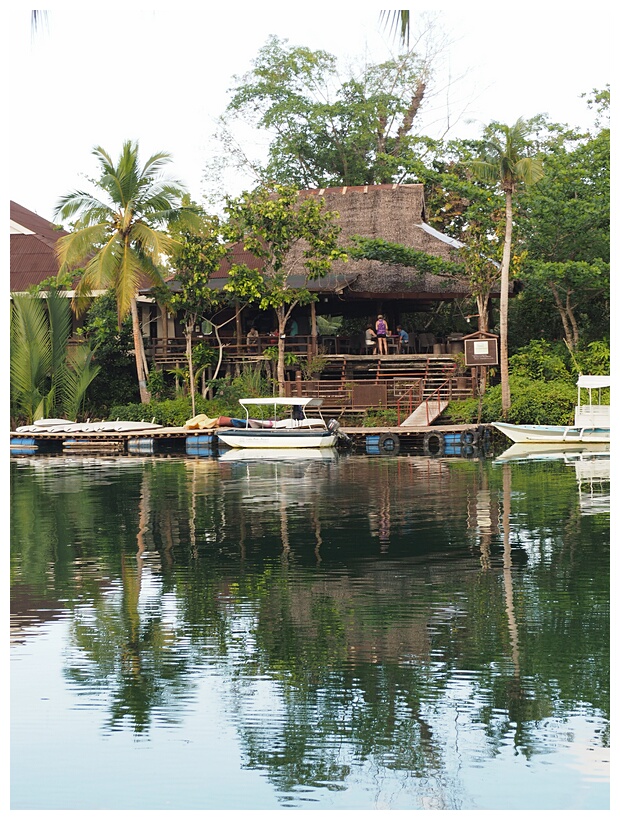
434 444
389 443
469 437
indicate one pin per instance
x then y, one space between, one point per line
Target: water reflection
369 620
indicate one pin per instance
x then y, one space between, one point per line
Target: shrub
380 417
532 402
539 360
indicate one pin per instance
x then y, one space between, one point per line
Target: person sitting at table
381 329
370 339
403 338
252 339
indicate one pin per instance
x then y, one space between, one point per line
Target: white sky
102 74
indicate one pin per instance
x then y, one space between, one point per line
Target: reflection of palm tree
510 612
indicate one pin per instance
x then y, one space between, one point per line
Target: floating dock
436 440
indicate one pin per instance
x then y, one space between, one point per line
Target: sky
99 75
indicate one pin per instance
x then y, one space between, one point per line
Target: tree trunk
482 303
281 344
503 309
189 329
138 346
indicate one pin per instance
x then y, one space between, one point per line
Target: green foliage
47 378
156 384
325 131
565 226
541 361
250 383
121 228
197 255
594 359
313 366
203 356
395 254
380 417
116 380
533 402
271 354
277 225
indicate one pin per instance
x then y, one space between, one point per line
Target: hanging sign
480 351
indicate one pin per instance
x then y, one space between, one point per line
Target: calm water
353 632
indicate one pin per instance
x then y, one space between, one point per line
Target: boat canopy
284 401
593 382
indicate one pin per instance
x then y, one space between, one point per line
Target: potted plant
462 380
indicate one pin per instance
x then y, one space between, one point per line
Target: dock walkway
180 440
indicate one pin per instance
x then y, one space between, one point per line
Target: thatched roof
394 213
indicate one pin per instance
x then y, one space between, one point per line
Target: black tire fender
389 443
469 437
434 444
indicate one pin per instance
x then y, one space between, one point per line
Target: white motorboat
303 426
591 425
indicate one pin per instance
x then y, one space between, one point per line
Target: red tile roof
33 258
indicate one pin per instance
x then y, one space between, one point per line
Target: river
344 632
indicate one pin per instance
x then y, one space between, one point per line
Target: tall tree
324 131
291 236
198 255
505 160
566 230
121 231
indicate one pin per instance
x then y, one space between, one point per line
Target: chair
426 342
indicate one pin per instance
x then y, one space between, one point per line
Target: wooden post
238 326
313 330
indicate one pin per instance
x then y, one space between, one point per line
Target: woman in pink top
381 329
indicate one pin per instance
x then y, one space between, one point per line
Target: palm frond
80 373
399 22
29 355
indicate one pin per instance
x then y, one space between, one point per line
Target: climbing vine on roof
391 252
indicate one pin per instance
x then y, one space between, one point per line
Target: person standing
381 329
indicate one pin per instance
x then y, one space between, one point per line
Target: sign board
480 351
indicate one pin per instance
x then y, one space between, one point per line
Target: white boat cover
593 382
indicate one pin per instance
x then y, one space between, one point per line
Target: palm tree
48 378
504 161
123 234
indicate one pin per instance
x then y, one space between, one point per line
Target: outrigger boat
65 426
304 425
591 425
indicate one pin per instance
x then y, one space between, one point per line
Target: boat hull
553 434
277 439
542 450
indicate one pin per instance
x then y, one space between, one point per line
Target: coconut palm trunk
138 345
